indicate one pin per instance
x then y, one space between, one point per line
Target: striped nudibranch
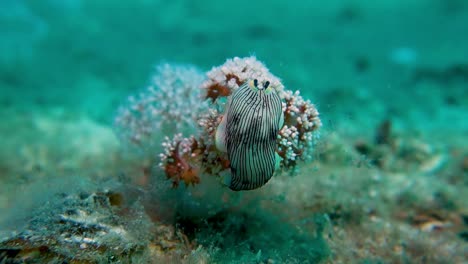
248 133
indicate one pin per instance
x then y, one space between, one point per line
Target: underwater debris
393 152
451 74
91 227
73 227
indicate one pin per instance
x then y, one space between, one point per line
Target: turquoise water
387 179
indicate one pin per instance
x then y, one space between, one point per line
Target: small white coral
175 90
296 138
208 122
170 104
224 79
177 144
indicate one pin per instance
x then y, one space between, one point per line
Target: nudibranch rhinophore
248 133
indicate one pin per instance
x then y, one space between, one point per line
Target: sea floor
389 178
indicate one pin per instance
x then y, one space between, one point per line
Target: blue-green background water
58 51
66 66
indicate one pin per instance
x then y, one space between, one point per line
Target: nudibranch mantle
248 133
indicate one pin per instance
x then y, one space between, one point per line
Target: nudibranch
248 133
